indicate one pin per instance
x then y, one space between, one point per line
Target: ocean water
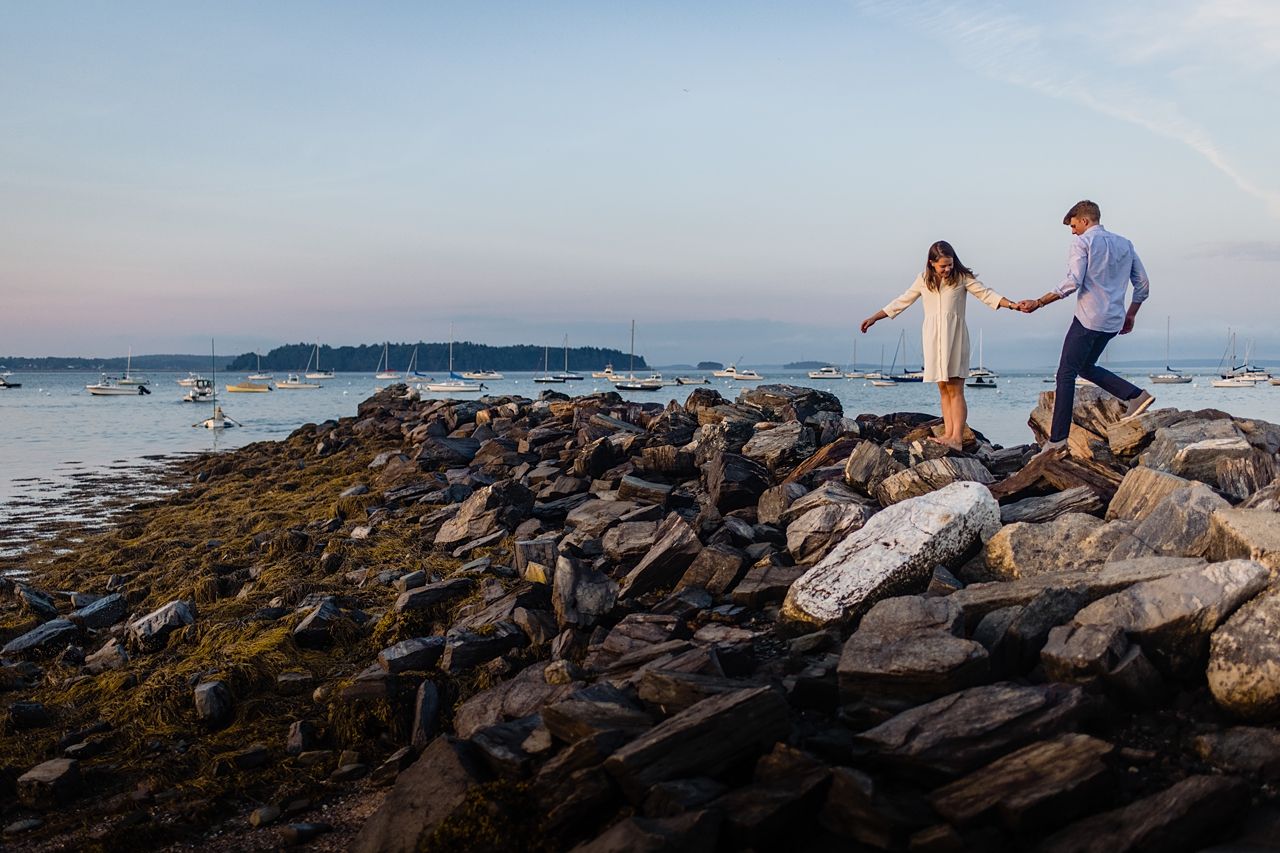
69 458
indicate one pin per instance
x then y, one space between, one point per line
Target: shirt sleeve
903 302
983 292
1077 265
1138 277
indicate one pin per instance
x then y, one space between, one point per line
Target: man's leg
1076 347
1121 389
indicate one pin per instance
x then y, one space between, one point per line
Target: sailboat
260 374
855 373
411 371
455 384
1233 378
1170 376
567 376
219 420
878 379
384 370
981 371
545 378
318 373
905 375
631 383
128 378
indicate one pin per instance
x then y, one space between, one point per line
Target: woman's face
942 267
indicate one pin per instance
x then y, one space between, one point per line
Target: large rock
51 784
1193 449
910 649
790 402
593 518
893 554
1177 527
315 629
675 549
931 475
580 594
103 613
775 501
1252 534
868 466
1244 660
443 453
734 481
717 569
213 703
44 639
811 535
782 447
828 494
1081 499
1242 749
1128 437
628 542
1024 550
1141 491
432 789
1172 618
152 631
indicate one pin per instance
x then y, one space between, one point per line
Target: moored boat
249 388
104 387
828 372
1170 376
201 391
294 382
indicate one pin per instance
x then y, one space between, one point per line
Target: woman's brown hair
938 251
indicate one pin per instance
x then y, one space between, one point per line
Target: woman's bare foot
950 443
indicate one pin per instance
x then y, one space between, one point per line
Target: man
1100 268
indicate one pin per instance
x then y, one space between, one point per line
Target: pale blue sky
741 178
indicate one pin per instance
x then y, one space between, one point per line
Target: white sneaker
1050 448
1138 405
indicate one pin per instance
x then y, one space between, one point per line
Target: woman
944 285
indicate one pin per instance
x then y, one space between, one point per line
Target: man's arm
1077 264
1141 290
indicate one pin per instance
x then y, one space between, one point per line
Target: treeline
139 364
434 358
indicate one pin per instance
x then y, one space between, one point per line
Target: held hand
1027 306
867 324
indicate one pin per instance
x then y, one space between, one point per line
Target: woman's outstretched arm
987 295
872 320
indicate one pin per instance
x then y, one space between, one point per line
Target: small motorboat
249 388
828 372
1233 382
633 384
295 382
730 372
1170 378
190 380
201 391
218 421
5 383
484 375
747 376
884 383
104 387
607 373
688 380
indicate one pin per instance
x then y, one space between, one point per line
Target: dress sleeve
903 302
983 292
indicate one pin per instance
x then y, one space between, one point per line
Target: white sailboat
855 373
318 373
1234 377
1170 376
545 378
129 378
383 370
259 374
567 376
219 419
878 379
455 384
981 372
631 383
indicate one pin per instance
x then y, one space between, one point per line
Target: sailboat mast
566 353
632 370
213 368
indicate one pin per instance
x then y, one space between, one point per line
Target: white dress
946 336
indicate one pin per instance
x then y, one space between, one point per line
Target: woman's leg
959 413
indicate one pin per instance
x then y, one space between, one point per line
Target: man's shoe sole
1146 404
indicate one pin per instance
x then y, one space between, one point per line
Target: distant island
710 365
805 365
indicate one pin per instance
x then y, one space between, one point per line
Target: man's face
1080 224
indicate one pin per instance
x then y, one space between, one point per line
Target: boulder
629 541
874 811
417 654
1244 660
1141 491
1128 437
1252 534
775 501
811 535
929 476
102 613
1193 448
46 639
868 466
643 491
734 481
438 454
694 830
1242 749
426 597
1083 653
765 583
782 447
1035 510
828 494
426 716
674 550
580 594
1023 550
1176 527
152 631
594 517
1172 618
112 655
790 402
717 569
51 784
1241 477
315 630
893 554
468 647
213 703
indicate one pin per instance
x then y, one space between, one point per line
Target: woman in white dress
943 287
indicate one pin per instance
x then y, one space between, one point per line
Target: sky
745 180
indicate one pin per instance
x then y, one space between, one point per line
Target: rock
810 536
643 491
35 603
251 758
910 649
413 580
957 734
781 448
301 833
1030 628
1128 437
152 631
1058 473
1180 819
676 691
1172 618
314 631
430 595
102 613
28 715
581 595
1252 534
674 550
426 715
1037 510
213 703
734 481
775 501
1082 652
766 814
432 789
930 476
52 784
1241 477
629 541
1023 550
18 827
442 453
828 494
868 466
265 815
1134 683
894 553
943 582
872 812
1176 527
302 737
417 654
783 402
594 517
1036 787
1193 448
467 647
696 830
636 632
592 711
765 583
542 551
42 640
1244 660
349 773
703 739
1242 749
1141 490
717 569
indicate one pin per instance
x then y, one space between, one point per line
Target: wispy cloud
1121 60
1267 251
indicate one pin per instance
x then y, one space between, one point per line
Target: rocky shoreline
601 625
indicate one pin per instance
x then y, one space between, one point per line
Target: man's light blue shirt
1101 266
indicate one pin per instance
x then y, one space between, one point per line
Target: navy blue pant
1080 349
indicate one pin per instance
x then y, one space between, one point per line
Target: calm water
66 455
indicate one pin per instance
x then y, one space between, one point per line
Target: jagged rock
674 550
42 640
636 632
430 595
1070 542
1240 478
790 402
671 460
765 815
782 447
828 494
432 789
417 654
894 553
152 631
112 655
1081 652
1128 437
541 551
1193 448
1141 490
315 629
437 454
501 746
35 603
1176 527
929 476
734 481
592 712
1058 473
776 500
28 715
910 649
426 716
580 594
468 647
1180 819
1252 534
302 737
51 784
643 491
213 703
1242 749
717 569
629 541
868 466
102 613
765 583
810 536
696 830
703 739
959 733
1036 787
593 518
870 811
1244 660
1038 510
1172 618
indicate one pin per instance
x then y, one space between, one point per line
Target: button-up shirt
1100 267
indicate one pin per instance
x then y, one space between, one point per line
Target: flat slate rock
1244 660
43 639
1252 534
